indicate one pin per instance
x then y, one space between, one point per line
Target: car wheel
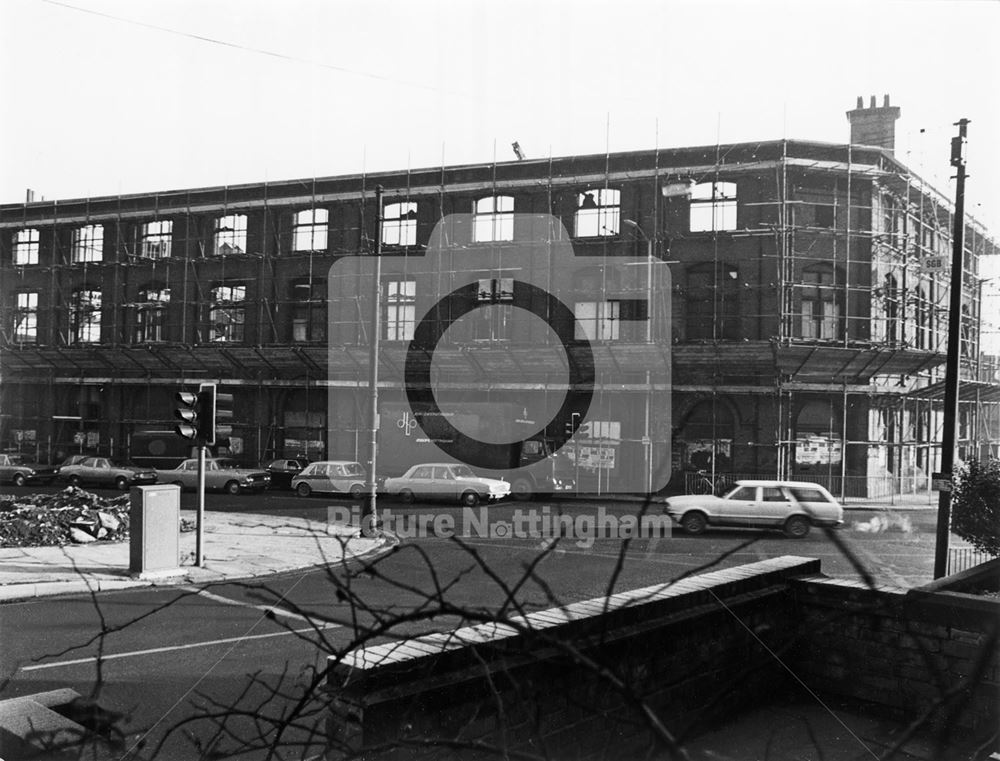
357 491
19 479
233 487
407 497
75 481
694 523
797 526
522 489
470 498
303 490
121 483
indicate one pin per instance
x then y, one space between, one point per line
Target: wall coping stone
628 611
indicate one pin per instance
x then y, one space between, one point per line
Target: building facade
807 322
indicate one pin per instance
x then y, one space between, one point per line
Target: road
155 655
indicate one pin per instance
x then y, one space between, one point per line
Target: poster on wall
818 449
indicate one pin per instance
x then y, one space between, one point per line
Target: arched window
493 219
598 213
310 230
713 207
822 300
712 302
150 314
227 314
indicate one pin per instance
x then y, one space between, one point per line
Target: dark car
103 471
16 470
284 470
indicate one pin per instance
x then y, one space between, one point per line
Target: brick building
807 330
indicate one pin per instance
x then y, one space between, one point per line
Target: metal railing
964 558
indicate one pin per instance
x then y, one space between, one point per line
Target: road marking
239 603
172 648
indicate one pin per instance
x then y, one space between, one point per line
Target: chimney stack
874 125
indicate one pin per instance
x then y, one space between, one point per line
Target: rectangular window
85 317
150 316
88 244
156 237
227 314
230 235
400 318
26 317
713 206
26 246
598 213
597 320
493 219
308 312
399 224
310 232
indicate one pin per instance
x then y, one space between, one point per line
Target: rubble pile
72 516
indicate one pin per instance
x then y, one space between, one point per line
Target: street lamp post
369 524
647 440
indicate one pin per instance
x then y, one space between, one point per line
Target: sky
102 97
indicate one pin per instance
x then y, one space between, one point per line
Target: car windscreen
226 464
353 469
462 471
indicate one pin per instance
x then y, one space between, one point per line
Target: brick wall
917 653
615 677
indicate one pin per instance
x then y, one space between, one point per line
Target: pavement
238 546
235 546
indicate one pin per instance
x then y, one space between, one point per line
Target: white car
793 506
446 480
334 476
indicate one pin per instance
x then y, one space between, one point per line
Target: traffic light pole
199 557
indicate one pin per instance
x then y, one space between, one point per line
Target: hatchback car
448 481
283 470
103 471
793 506
332 476
18 471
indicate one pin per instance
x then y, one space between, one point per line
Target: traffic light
215 414
188 412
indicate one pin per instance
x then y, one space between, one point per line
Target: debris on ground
71 516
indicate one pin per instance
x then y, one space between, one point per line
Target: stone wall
646 669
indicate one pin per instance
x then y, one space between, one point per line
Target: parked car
16 470
336 476
446 480
284 470
221 473
103 471
794 506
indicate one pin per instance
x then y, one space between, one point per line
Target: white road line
241 604
171 648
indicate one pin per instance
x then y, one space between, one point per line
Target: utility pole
370 522
953 364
